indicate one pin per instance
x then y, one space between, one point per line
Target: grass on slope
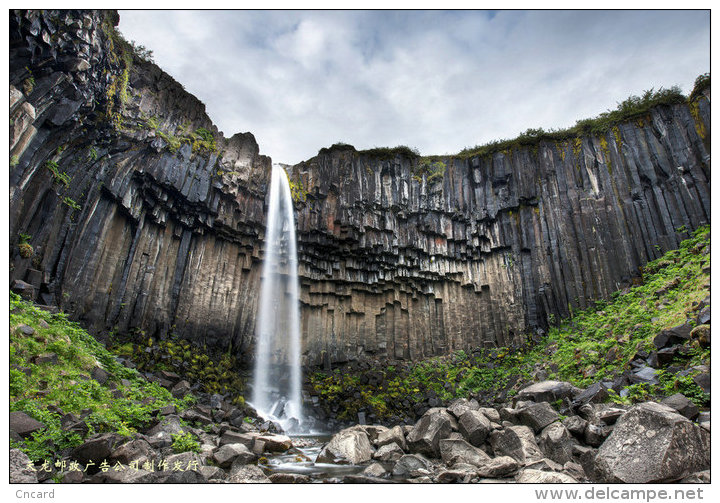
596 344
47 390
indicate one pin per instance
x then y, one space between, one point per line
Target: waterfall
277 378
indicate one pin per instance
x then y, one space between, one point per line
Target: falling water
277 379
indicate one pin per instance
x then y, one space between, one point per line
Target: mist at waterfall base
277 376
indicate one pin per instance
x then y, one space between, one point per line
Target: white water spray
277 378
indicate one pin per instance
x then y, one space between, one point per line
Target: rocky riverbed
524 441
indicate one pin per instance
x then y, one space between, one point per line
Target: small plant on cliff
26 250
58 175
184 442
433 170
71 203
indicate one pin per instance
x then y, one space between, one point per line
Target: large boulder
412 465
499 467
682 405
548 391
425 436
389 452
96 450
392 435
460 406
225 455
248 474
275 443
138 450
653 443
24 425
529 476
557 443
676 335
475 427
537 416
518 442
349 446
20 473
459 451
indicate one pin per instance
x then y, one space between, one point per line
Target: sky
437 81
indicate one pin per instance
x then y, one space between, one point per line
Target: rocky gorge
131 213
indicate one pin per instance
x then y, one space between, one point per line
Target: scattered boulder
186 477
392 435
225 455
181 389
676 335
289 478
127 476
425 437
412 465
20 473
100 375
595 393
518 442
375 470
96 450
575 425
475 427
498 467
248 474
683 405
537 415
701 333
458 407
548 391
169 425
459 451
653 443
389 452
234 437
557 443
275 443
24 425
349 446
530 476
136 450
595 434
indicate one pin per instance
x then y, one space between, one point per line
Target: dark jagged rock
653 443
134 226
24 425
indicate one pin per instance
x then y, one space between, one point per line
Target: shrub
184 442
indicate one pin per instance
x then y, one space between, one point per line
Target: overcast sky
437 81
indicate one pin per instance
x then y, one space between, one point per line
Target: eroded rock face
653 443
154 235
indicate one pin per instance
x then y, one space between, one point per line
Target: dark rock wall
501 245
138 235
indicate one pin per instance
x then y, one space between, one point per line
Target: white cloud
438 81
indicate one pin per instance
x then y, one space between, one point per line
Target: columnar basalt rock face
135 227
412 268
127 233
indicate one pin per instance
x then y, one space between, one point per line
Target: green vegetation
24 246
216 373
297 190
14 161
633 108
202 140
387 153
50 376
58 175
596 344
184 442
70 203
433 169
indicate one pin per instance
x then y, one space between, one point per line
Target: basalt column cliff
130 211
